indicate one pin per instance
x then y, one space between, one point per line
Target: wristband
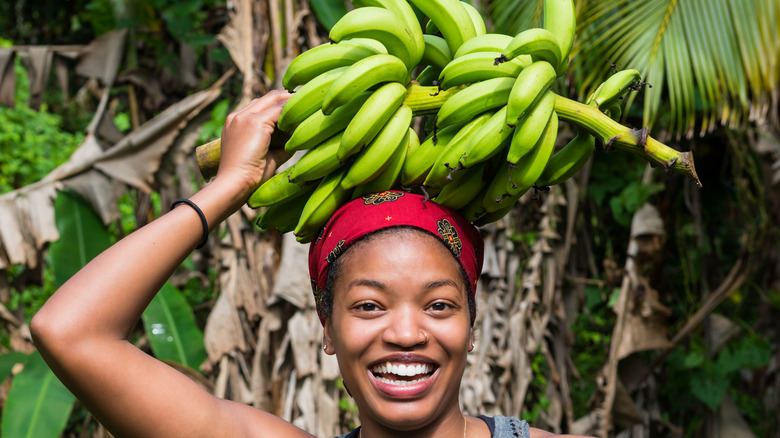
202 218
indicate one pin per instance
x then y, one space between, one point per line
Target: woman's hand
245 156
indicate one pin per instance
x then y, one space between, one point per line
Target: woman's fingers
246 137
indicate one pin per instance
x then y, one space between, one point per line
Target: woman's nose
405 330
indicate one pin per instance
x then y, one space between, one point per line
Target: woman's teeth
389 373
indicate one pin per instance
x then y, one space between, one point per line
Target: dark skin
81 331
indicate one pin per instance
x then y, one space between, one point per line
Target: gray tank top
500 427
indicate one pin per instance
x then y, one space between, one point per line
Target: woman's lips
402 379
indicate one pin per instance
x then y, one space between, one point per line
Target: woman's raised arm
81 331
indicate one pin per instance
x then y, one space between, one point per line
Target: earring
324 347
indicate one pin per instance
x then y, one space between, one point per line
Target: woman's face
401 329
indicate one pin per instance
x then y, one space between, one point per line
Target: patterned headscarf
391 209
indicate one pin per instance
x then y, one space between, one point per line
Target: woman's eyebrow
366 282
441 283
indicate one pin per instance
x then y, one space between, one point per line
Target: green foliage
328 12
695 376
32 144
171 329
213 128
593 328
38 405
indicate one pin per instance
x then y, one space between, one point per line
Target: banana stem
427 99
613 135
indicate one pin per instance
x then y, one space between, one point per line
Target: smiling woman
393 277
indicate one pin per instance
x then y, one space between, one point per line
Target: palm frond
716 61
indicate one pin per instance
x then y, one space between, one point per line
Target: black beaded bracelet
202 218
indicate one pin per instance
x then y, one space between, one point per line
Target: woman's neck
452 425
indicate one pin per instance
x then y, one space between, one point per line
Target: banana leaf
38 405
328 12
82 236
170 326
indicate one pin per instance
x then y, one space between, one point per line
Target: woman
396 305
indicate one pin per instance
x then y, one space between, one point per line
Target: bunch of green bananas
492 118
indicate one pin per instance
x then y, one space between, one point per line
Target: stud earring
324 347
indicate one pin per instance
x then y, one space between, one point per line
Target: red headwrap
391 209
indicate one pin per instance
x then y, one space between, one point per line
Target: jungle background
625 302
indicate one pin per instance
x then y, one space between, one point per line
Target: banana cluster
487 144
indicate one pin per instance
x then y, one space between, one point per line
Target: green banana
361 76
476 18
531 127
512 181
389 177
284 215
495 196
474 99
526 172
382 25
537 42
449 160
405 13
561 20
318 161
614 88
437 53
318 127
464 186
376 156
474 210
476 67
493 137
414 143
326 198
569 160
368 42
428 76
419 162
530 86
307 99
325 57
276 189
489 42
450 18
497 215
370 118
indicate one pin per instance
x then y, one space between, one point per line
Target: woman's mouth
402 374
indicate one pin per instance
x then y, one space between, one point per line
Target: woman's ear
471 339
327 341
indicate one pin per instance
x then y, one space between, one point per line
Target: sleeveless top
500 427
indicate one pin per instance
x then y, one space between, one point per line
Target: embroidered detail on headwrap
319 294
449 236
336 251
319 236
381 198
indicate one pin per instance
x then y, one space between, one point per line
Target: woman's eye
439 307
368 307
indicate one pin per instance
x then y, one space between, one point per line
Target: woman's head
400 328
394 279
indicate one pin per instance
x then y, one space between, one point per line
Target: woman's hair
326 307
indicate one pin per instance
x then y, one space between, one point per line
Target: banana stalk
428 100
